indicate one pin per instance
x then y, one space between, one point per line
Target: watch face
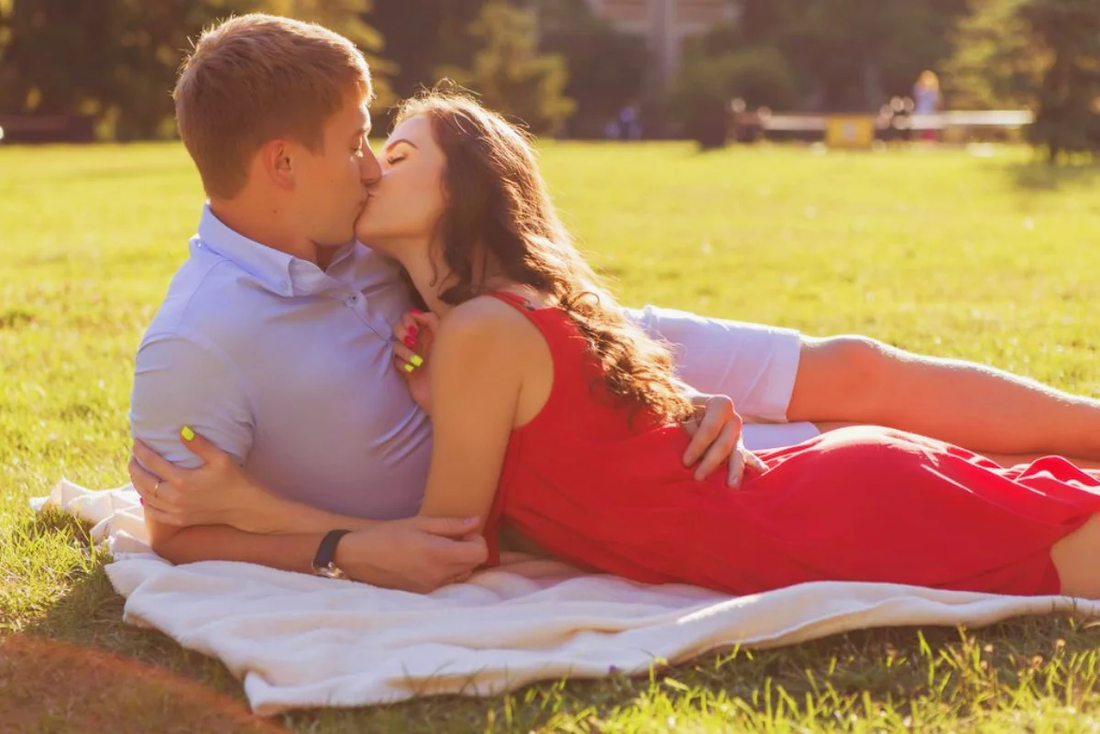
331 571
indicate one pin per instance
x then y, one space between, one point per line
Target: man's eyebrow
406 141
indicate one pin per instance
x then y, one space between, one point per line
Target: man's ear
276 160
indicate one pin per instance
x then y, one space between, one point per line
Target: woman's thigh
1077 558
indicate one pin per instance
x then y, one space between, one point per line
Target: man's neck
265 226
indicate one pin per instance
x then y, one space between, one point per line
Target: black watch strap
324 562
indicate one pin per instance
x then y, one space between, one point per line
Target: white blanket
302 641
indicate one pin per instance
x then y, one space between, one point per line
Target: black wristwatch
324 563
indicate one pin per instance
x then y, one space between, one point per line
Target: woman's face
408 201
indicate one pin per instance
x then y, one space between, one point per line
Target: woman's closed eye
394 159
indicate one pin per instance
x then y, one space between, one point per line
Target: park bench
46 128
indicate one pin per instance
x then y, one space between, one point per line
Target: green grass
990 259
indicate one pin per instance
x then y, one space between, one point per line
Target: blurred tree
117 60
701 95
422 35
758 75
1044 54
846 54
510 74
606 67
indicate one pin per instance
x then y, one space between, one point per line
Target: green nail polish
187 433
409 367
416 360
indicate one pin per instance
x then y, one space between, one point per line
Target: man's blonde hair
255 78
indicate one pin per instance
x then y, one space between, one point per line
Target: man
274 342
274 338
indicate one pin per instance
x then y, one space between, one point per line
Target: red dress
859 504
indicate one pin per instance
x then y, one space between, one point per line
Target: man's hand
217 493
419 554
715 437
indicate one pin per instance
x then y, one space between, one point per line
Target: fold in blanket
301 641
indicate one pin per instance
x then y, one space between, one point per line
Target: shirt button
352 299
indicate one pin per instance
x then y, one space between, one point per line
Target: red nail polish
415 310
410 342
142 501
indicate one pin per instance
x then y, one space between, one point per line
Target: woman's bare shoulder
486 322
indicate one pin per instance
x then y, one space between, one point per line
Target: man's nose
370 172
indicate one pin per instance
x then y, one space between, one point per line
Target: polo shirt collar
277 271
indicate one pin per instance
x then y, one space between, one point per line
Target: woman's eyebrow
392 143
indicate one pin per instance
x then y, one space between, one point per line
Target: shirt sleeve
179 381
753 364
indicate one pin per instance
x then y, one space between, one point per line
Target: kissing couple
393 366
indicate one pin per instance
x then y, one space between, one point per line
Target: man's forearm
988 410
223 543
971 405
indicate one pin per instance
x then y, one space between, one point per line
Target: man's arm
418 554
183 381
220 493
223 543
180 382
858 380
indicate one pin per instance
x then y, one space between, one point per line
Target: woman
554 416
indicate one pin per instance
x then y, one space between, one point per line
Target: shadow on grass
80 668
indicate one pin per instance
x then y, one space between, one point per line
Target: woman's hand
217 493
418 554
412 348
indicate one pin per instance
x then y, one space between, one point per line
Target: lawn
993 259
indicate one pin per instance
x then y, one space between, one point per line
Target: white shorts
754 364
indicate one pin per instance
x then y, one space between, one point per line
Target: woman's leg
935 514
1077 558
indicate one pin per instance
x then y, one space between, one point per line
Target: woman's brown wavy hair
498 201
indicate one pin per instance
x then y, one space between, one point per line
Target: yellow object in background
850 131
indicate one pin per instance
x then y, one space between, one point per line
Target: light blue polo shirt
288 368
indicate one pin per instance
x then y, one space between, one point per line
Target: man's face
332 182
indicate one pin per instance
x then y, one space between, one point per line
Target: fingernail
410 342
187 434
415 310
142 501
413 331
409 367
416 360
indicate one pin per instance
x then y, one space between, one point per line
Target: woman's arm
220 492
477 368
